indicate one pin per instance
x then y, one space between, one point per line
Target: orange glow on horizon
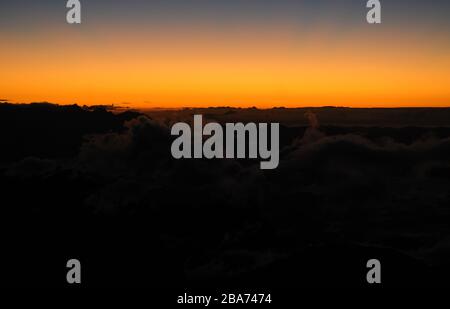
197 68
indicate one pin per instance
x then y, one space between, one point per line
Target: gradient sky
175 53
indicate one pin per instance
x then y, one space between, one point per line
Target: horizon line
131 107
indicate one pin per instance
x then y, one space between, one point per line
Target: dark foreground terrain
101 186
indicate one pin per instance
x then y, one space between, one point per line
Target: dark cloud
31 168
364 189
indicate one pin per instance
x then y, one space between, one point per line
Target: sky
199 53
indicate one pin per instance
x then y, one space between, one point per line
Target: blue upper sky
17 13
